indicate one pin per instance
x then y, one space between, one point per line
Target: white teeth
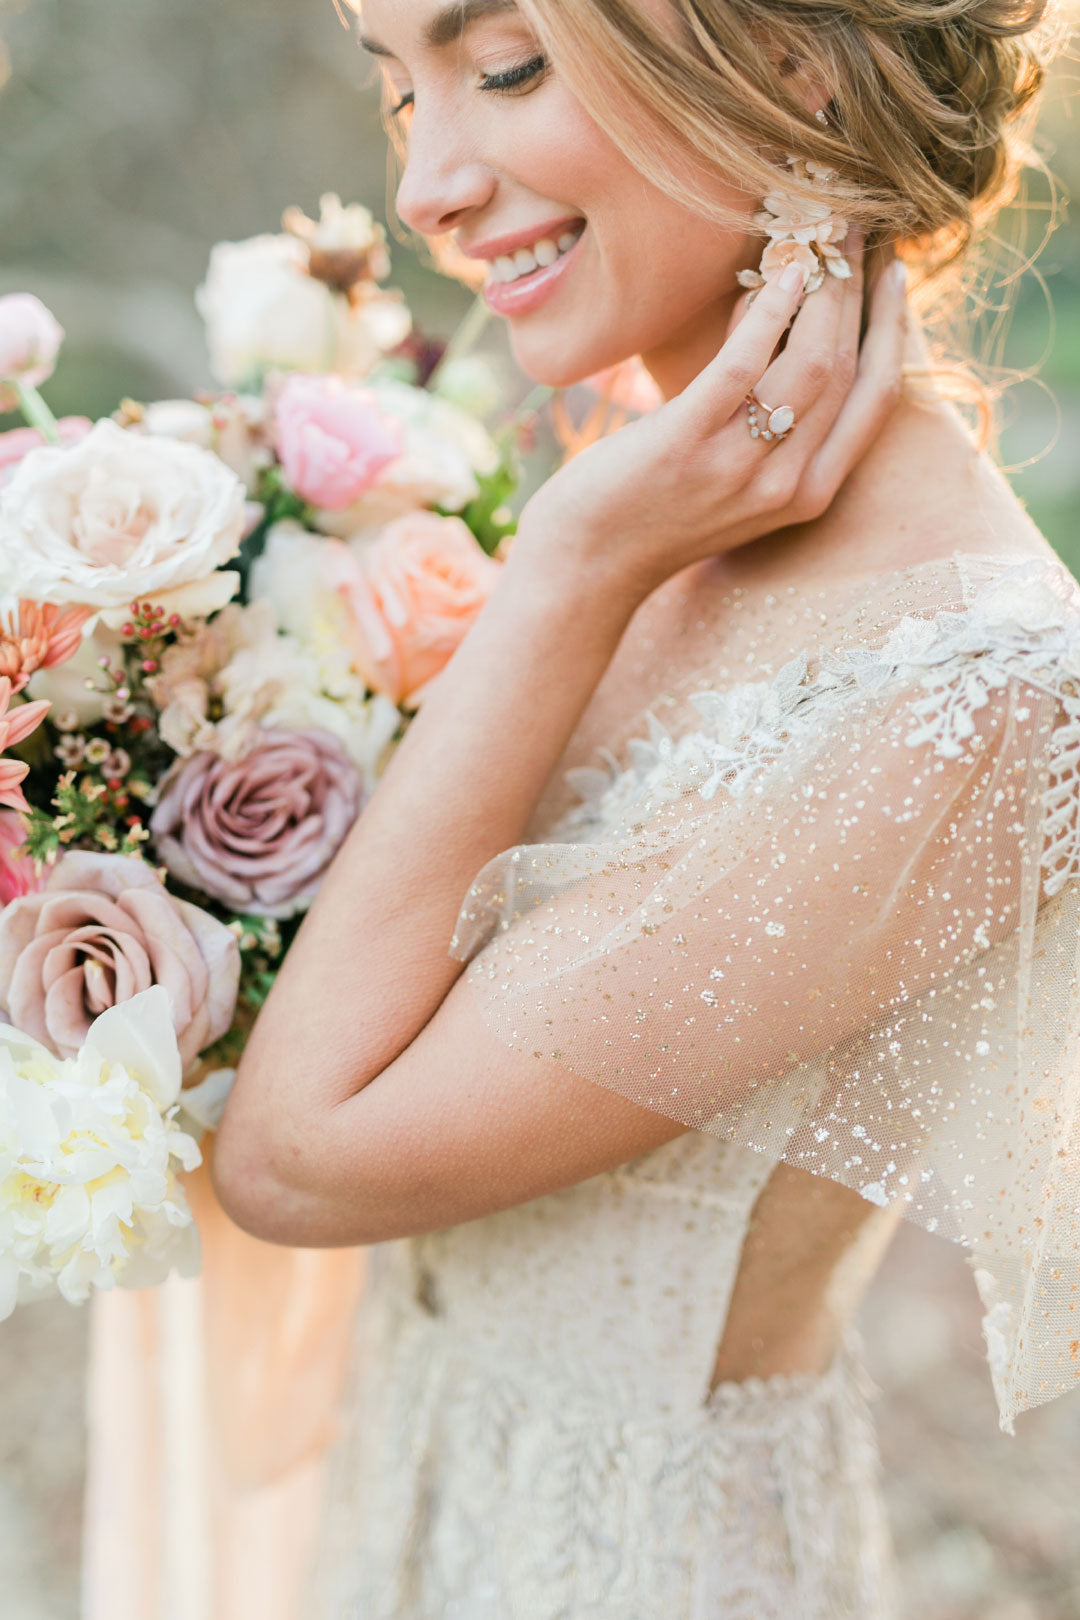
511 266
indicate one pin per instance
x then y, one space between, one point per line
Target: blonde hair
929 110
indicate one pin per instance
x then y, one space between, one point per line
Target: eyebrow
449 24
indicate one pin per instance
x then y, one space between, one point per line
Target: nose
444 180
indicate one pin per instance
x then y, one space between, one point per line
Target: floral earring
800 232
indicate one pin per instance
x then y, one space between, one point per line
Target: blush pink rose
30 339
333 440
18 442
412 595
101 929
17 874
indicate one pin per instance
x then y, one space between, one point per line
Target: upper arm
458 1126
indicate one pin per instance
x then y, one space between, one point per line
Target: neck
685 352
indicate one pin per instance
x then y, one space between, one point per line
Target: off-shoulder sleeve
838 921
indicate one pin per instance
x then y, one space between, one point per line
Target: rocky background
133 135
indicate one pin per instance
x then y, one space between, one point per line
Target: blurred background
133 135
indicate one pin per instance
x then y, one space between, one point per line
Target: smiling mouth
511 267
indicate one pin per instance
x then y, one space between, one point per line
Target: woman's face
502 156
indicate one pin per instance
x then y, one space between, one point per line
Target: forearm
370 964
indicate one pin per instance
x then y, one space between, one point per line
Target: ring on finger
768 421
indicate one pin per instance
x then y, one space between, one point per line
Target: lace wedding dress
533 1436
532 1430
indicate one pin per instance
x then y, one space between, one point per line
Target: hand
688 481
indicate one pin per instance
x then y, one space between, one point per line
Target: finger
817 366
720 388
876 389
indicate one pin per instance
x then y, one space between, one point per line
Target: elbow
254 1195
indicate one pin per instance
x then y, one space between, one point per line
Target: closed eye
502 83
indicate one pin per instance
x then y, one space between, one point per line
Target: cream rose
122 515
263 310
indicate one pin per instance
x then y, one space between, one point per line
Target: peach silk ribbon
212 1404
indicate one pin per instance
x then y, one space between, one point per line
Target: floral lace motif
1016 627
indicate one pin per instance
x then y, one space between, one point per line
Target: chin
563 365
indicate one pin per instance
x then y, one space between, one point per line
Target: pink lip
522 297
496 246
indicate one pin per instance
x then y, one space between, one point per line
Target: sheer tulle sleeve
837 920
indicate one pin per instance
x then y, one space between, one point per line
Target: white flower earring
800 232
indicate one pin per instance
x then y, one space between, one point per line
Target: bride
751 804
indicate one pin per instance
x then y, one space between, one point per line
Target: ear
805 83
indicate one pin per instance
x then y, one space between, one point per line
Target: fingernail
793 278
898 271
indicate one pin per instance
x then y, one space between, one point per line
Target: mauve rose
30 339
332 439
258 833
412 594
103 928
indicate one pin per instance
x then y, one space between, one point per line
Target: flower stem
36 411
469 329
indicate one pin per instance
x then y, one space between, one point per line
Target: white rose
444 450
89 1154
121 515
262 310
317 683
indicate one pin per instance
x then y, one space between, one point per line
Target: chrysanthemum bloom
15 724
18 875
38 635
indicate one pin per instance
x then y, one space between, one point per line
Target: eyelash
504 83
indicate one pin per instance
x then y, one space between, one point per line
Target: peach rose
412 594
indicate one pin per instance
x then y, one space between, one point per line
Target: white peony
89 1154
444 451
263 310
121 515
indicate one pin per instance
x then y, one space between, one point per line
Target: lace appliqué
1016 627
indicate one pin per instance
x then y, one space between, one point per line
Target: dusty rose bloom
103 928
258 833
17 873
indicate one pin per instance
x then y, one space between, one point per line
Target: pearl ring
775 422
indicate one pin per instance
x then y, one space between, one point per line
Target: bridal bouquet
218 615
